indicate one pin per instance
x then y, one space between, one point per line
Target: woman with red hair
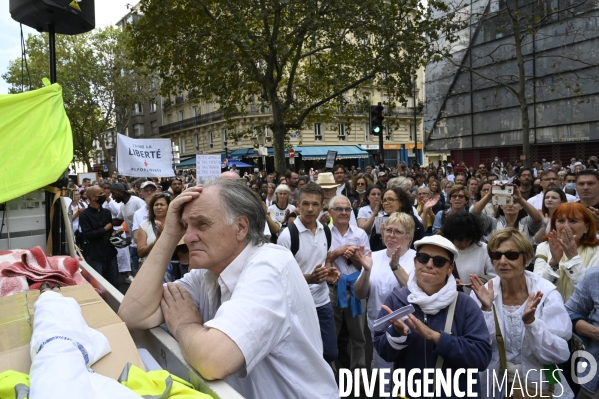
569 249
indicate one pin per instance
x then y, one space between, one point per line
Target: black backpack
294 233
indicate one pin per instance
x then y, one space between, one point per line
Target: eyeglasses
510 255
389 200
458 196
340 209
360 184
396 233
438 261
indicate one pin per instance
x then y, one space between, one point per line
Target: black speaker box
69 17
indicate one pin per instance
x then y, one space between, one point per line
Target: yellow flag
36 141
75 5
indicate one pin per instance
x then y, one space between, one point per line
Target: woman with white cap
447 330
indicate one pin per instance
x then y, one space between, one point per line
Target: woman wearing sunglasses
458 197
570 248
358 198
532 320
421 340
386 269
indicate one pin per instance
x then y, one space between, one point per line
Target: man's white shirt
312 252
353 236
537 200
261 302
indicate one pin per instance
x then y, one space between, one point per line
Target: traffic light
376 119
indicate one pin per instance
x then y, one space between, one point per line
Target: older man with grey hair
346 240
244 312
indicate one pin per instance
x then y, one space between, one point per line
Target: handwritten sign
207 168
144 157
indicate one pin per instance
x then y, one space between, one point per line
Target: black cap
118 187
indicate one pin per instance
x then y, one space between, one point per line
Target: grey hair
335 198
428 190
271 185
402 182
239 201
282 187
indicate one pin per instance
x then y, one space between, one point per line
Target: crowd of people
494 286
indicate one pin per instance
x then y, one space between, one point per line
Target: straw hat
326 180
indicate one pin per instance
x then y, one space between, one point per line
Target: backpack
294 234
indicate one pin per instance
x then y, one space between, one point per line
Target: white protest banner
207 168
144 157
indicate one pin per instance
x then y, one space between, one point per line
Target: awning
320 152
309 152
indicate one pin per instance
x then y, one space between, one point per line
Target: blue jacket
584 305
467 347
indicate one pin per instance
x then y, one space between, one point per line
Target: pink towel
32 265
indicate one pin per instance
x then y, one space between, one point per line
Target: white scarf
432 304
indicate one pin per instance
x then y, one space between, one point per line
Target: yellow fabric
430 220
36 141
14 385
158 384
564 284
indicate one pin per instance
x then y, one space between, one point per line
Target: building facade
472 114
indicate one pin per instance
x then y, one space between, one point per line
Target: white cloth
146 226
432 304
543 342
72 207
537 200
474 260
312 252
366 211
138 217
353 236
277 214
62 349
123 256
127 210
383 281
268 311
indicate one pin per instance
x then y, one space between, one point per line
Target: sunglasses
510 255
438 261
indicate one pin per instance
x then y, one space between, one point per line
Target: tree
301 59
538 46
97 79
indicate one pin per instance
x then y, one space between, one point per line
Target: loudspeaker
69 17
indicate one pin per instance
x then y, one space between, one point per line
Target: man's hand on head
173 225
178 309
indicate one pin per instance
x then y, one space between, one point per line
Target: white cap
438 241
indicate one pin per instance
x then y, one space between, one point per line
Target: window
181 115
153 106
210 142
411 132
138 130
367 132
154 128
388 133
208 107
169 118
224 138
267 136
317 132
138 109
342 136
196 140
195 111
182 145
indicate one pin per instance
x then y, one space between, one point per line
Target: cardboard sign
207 168
330 162
144 157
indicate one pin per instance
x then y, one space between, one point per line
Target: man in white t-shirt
311 257
549 180
247 315
123 256
129 205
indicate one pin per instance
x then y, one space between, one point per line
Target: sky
108 12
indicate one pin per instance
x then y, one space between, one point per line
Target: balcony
191 122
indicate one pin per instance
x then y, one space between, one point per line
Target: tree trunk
521 86
278 134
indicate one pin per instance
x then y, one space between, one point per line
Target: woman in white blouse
533 321
386 269
270 195
371 210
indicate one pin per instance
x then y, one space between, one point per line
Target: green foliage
297 57
94 70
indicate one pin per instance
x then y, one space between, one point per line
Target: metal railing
209 117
